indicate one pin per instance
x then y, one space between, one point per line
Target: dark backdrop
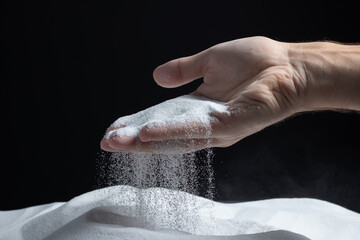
70 69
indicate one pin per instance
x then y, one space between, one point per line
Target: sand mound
124 212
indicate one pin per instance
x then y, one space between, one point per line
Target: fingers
176 138
184 137
181 71
178 146
196 130
131 144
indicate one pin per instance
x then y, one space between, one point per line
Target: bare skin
262 81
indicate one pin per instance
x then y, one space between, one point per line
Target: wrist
331 75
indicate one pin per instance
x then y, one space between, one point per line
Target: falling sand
191 172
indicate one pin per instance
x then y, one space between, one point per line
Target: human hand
254 76
261 80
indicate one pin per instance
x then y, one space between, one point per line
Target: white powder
183 109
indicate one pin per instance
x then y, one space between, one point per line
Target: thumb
181 71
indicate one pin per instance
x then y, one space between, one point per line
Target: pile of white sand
124 212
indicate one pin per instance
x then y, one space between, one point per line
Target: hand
254 76
262 82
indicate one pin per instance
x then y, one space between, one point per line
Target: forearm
332 73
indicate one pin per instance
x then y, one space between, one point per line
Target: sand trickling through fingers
171 168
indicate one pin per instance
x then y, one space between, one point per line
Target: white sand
123 212
183 109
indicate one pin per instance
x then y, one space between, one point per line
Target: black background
70 69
